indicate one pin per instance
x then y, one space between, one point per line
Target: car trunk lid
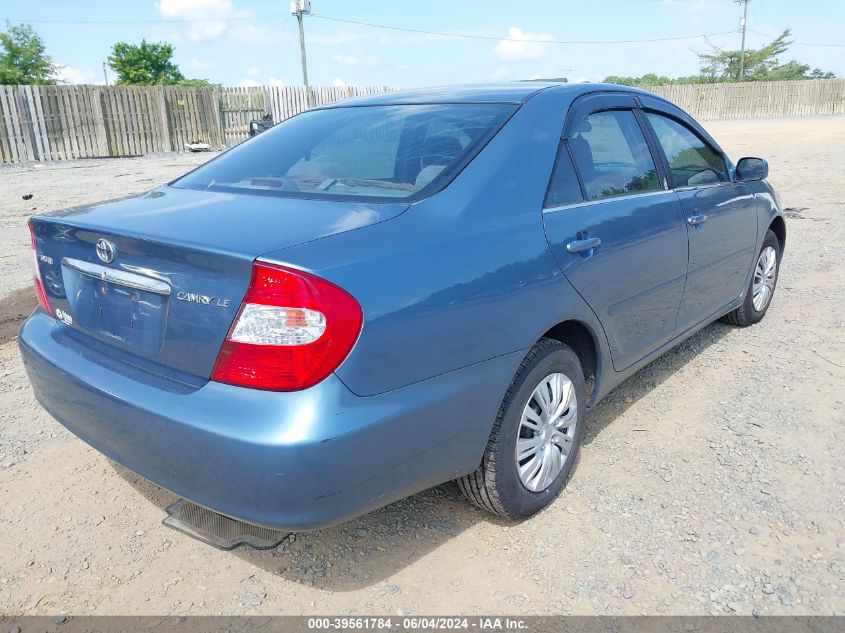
156 280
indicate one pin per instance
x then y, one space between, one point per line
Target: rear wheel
536 435
761 288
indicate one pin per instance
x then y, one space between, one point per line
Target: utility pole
298 8
744 4
105 74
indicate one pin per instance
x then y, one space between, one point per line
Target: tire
747 313
497 486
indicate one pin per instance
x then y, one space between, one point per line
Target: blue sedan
382 295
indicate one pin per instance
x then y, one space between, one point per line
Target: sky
256 42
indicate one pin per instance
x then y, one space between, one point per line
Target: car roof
506 92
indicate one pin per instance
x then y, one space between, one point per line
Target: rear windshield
375 152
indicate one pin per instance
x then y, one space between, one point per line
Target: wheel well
578 337
778 227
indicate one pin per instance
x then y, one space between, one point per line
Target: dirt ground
712 482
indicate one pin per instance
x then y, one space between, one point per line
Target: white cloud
247 34
252 72
518 45
249 82
71 75
339 83
500 73
209 16
699 6
347 60
199 64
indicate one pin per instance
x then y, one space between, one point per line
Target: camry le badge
194 297
105 250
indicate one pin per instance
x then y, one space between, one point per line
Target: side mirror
752 169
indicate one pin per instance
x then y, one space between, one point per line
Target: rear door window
563 187
612 155
692 162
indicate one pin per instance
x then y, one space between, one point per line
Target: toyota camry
378 296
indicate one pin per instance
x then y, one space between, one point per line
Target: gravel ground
66 184
712 482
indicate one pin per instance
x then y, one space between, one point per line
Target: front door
617 233
721 220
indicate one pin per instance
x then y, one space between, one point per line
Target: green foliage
650 79
761 64
197 83
23 59
148 64
722 65
818 73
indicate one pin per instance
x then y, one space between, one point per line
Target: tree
650 79
721 65
761 64
818 73
148 64
23 57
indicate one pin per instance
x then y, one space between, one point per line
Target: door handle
698 218
579 246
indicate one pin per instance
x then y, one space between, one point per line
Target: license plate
123 307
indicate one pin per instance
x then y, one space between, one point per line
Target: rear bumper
296 461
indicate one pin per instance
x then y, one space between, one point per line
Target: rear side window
564 187
370 152
691 160
612 155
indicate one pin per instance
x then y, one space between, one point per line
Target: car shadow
371 549
359 553
14 308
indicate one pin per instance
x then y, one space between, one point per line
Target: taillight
36 275
292 330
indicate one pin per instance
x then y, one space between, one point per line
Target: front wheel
536 435
761 288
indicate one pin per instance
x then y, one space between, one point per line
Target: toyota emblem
106 251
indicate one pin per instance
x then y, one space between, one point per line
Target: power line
270 16
166 21
376 26
513 39
71 3
796 42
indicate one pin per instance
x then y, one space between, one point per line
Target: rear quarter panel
463 276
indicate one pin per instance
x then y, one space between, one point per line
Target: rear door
616 231
720 214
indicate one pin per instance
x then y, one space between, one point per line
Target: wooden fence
46 123
239 106
758 98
